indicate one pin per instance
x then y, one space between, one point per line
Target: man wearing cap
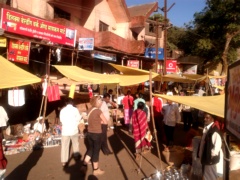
70 119
39 126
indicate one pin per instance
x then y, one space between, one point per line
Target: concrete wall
38 8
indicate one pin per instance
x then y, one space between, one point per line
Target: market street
45 163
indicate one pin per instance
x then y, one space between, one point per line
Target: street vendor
39 126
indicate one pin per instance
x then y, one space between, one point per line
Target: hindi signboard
104 55
18 51
22 24
133 63
232 107
86 44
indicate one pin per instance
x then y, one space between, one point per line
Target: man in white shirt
105 110
210 150
39 126
70 119
171 118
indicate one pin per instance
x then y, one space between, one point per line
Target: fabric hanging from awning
211 104
13 76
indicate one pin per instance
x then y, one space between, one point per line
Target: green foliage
206 36
158 17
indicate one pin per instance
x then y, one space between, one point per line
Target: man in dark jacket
210 151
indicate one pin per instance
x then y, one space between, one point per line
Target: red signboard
171 66
18 23
133 63
18 51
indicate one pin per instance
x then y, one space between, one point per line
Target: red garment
139 123
220 125
3 160
157 106
128 102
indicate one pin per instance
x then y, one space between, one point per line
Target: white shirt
39 127
217 141
70 119
171 115
3 117
105 110
119 99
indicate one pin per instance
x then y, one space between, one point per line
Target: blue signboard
151 53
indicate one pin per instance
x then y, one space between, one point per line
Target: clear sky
182 12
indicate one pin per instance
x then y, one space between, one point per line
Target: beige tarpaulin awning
67 81
210 104
78 74
13 76
131 71
185 78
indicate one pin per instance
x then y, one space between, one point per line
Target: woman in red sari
140 127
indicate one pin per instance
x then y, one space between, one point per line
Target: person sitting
39 126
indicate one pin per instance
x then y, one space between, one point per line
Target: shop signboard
18 51
151 53
22 24
133 63
104 56
232 108
171 66
86 44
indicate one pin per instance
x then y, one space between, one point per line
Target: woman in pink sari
140 127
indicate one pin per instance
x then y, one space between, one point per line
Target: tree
215 32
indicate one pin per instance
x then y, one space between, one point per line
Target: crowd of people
136 111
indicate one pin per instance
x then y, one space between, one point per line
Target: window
103 26
8 2
59 13
151 28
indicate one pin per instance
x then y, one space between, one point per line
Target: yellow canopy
131 71
210 104
185 78
78 74
13 76
67 81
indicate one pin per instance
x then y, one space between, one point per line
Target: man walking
210 152
105 110
70 119
171 117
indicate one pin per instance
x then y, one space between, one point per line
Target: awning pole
48 80
153 121
72 57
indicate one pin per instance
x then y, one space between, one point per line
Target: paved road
45 164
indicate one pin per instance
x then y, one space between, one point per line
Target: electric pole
165 10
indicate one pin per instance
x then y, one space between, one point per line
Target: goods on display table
25 139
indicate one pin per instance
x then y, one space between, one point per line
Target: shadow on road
21 172
121 140
74 170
